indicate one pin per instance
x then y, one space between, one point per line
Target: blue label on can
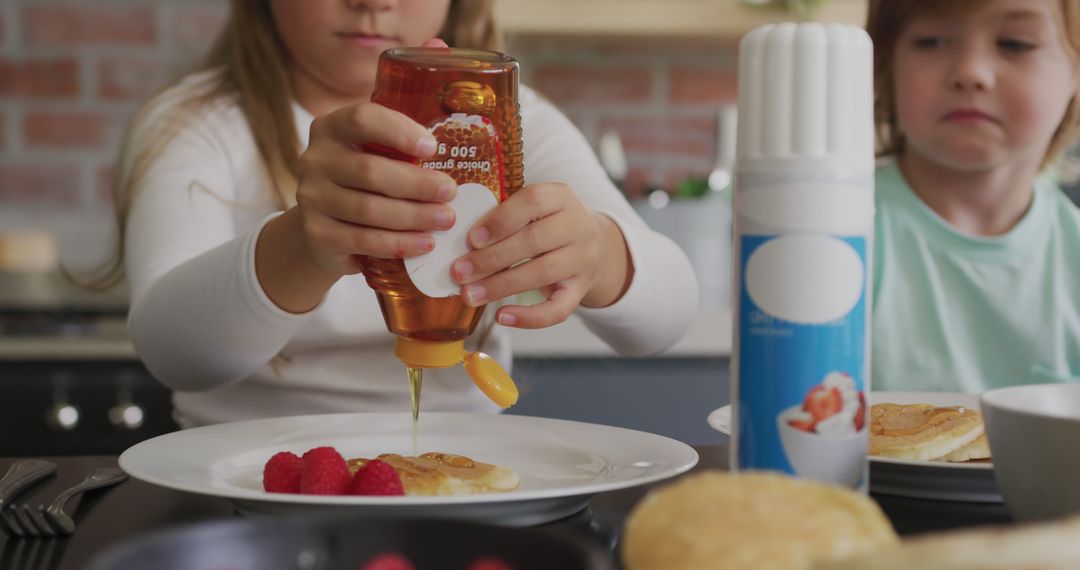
803 356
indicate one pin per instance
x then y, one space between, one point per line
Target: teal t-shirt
964 313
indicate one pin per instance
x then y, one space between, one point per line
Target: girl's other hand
435 43
351 202
576 256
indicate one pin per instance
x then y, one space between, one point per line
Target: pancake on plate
1045 546
922 432
977 450
734 521
445 474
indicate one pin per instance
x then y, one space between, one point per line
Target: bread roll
717 520
1046 546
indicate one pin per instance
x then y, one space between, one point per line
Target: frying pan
320 542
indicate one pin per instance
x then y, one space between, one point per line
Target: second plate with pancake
970 481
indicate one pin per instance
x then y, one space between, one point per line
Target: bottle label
803 363
469 151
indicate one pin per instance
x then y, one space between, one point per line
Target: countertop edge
709 336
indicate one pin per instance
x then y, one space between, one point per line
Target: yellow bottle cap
484 370
429 353
492 380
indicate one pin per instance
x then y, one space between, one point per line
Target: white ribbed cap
806 100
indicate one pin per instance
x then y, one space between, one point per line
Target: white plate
971 482
561 463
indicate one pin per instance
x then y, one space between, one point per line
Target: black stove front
79 407
56 401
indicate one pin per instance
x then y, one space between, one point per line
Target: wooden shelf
656 17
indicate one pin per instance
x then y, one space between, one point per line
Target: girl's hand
575 256
351 202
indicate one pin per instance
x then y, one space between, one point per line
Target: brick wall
73 71
661 95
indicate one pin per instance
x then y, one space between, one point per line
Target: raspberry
376 478
489 563
282 473
388 561
324 473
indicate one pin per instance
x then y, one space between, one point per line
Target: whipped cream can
803 243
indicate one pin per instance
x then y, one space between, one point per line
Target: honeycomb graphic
468 151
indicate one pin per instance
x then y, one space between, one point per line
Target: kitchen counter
45 317
79 325
62 322
51 348
50 291
709 335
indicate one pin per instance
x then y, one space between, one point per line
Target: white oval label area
805 278
431 272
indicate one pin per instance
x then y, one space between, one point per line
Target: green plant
800 9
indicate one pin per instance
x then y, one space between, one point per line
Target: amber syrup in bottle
468 99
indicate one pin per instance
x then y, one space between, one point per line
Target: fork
54 521
32 554
21 475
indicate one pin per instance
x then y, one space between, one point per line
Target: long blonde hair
249 65
885 21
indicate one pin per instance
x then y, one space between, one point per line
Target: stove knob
62 416
126 416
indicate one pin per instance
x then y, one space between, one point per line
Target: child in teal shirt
977 261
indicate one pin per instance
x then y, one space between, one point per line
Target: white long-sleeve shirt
203 326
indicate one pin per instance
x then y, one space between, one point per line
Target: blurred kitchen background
651 83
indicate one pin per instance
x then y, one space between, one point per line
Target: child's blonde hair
885 21
248 59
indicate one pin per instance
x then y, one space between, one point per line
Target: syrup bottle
468 100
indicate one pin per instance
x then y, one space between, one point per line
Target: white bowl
831 459
1034 434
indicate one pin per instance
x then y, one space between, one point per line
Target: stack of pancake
445 474
922 432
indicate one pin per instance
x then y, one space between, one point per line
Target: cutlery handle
21 475
100 477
